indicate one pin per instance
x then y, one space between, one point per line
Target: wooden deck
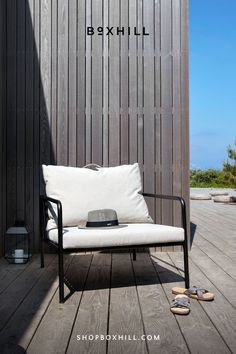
117 296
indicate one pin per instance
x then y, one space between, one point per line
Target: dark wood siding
2 122
73 99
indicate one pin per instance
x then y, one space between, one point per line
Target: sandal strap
196 291
180 302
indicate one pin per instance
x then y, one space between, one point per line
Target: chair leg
134 254
186 268
61 276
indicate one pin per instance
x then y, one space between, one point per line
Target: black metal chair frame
45 204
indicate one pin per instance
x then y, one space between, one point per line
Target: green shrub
225 178
230 166
209 179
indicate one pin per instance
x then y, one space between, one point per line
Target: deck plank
9 272
224 282
17 333
216 218
55 329
157 318
12 297
115 295
220 311
216 255
196 325
92 316
218 232
124 315
211 236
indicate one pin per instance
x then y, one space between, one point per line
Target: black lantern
17 243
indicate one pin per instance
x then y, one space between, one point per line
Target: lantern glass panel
17 244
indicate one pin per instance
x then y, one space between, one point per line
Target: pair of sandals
181 303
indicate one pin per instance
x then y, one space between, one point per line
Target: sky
212 65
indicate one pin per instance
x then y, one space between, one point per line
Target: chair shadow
193 228
124 278
13 348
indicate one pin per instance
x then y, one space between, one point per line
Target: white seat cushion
132 234
81 190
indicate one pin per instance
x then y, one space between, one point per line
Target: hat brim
102 227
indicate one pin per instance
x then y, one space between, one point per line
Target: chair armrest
173 197
45 201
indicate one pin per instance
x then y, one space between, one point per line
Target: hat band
102 223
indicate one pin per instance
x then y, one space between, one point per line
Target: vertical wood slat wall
72 99
2 122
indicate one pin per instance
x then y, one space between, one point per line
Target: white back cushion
81 190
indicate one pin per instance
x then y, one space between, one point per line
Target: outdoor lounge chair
60 229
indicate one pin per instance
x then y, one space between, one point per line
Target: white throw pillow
81 190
